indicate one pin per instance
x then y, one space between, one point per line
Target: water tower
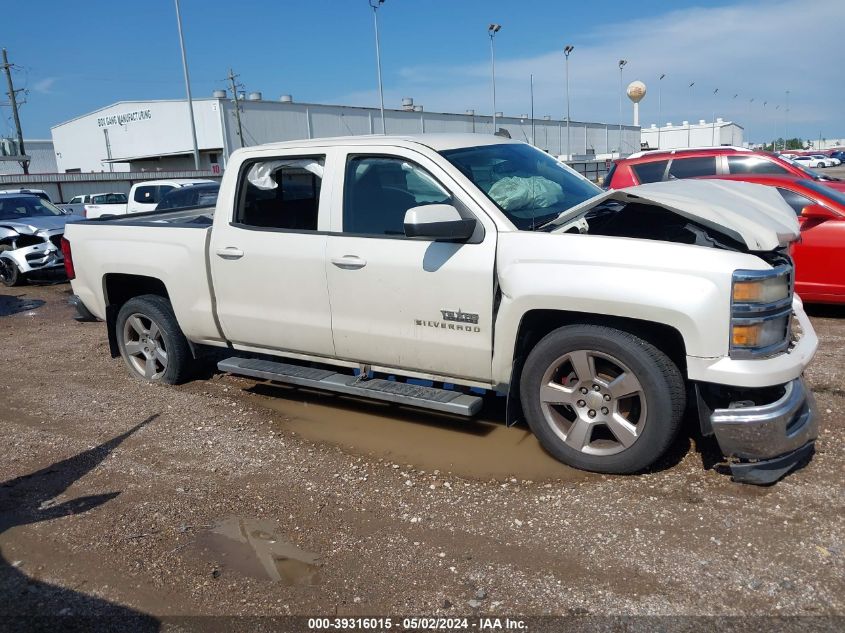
636 91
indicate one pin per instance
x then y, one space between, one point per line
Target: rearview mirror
438 222
817 212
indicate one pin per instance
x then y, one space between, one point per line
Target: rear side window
754 165
147 194
693 167
794 200
281 193
650 172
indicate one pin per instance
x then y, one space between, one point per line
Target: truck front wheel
151 342
601 399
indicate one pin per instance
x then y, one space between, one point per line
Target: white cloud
44 85
755 49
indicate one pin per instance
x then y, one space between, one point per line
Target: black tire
10 275
153 309
658 405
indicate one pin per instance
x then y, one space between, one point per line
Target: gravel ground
113 489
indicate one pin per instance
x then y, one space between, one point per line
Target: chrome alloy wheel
144 345
593 402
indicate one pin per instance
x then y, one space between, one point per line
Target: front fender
691 304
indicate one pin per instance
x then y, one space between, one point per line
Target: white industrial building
155 135
701 134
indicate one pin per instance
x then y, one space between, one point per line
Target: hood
29 226
755 215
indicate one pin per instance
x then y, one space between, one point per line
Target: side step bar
402 393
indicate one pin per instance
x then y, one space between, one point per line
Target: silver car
31 230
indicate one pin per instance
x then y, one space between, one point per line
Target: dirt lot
223 496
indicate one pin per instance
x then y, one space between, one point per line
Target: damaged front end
29 251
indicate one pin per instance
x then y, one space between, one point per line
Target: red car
655 166
819 254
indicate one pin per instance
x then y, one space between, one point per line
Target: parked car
812 162
97 204
32 192
646 167
838 155
145 196
829 161
819 276
30 233
459 258
190 196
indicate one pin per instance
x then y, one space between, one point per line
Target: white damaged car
31 230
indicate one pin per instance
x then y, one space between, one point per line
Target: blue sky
74 57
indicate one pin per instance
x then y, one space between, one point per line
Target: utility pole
188 87
232 76
14 102
492 29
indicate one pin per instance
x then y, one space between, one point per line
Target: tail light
65 246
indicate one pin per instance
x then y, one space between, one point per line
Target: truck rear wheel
151 342
601 399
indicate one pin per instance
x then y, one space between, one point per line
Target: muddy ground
224 496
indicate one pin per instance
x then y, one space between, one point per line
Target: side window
75 200
650 172
281 193
692 167
753 165
146 194
794 200
379 190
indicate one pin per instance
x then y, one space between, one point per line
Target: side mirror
438 222
818 212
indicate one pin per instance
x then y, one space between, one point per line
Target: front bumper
42 256
766 441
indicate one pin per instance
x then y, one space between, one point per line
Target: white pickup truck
355 264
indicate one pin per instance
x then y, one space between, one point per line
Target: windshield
26 207
827 192
529 186
109 198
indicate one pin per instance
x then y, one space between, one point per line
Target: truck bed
195 217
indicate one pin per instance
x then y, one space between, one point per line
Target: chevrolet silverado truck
420 270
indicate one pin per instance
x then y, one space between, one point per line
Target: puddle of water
252 548
477 448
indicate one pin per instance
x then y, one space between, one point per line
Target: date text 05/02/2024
417 624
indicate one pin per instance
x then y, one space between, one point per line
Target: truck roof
435 141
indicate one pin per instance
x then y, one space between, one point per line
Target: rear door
268 260
414 304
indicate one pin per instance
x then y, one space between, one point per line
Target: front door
414 304
268 262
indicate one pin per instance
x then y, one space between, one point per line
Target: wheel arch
535 324
118 288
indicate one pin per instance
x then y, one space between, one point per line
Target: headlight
761 312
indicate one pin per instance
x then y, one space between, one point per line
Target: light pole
492 29
689 124
188 88
713 127
567 51
622 64
749 119
659 106
375 4
786 130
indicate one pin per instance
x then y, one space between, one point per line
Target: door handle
230 252
349 261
